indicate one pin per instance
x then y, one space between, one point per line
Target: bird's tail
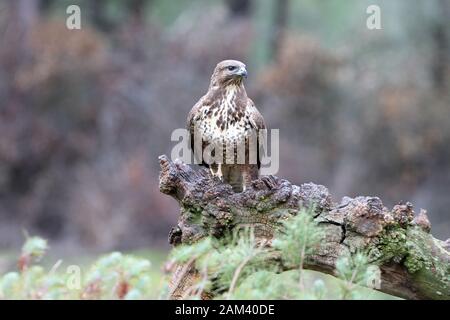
232 174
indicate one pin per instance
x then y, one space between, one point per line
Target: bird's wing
193 116
258 123
256 119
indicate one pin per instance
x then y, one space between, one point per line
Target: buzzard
227 123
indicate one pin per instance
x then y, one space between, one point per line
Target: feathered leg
213 168
232 175
216 170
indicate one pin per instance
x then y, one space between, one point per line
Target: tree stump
413 264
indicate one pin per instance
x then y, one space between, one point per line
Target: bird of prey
226 119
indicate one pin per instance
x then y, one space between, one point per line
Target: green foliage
118 276
185 253
113 276
298 238
356 270
242 254
271 285
238 268
34 247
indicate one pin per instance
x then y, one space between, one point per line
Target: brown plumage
225 117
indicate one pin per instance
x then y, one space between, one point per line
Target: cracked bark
413 264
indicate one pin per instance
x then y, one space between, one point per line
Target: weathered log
413 264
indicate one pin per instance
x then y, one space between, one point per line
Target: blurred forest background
85 113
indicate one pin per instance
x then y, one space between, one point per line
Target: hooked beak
242 72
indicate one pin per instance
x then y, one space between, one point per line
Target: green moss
391 246
264 205
417 257
193 214
413 248
422 258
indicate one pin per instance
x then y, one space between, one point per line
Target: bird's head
229 72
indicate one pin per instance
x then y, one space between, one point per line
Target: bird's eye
231 68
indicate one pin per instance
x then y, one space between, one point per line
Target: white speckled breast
217 125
